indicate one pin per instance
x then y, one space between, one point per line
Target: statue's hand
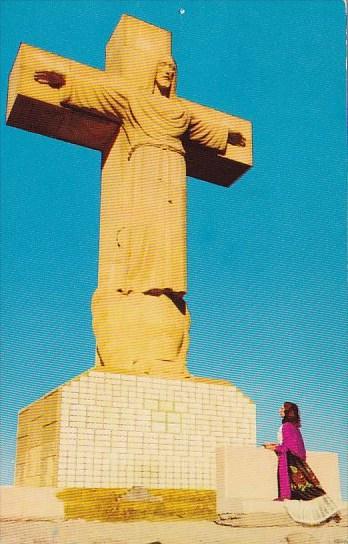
236 138
53 79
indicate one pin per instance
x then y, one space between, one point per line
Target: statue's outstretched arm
206 129
95 95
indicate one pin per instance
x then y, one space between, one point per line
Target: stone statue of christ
135 334
151 239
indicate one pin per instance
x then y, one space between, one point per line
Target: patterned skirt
309 504
304 484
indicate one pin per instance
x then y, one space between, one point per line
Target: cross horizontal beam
37 108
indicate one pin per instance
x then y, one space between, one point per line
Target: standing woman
305 499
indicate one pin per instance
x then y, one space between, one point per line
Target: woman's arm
289 435
269 445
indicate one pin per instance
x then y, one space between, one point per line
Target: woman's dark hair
292 414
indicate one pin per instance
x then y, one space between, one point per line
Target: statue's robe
150 237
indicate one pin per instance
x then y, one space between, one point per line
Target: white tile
158 416
174 427
172 417
151 404
181 407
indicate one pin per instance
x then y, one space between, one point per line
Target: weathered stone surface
38 442
142 334
139 494
143 532
256 519
301 538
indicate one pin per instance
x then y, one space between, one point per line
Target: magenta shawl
292 441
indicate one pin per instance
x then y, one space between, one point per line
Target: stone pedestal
116 430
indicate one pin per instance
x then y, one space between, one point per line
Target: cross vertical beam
137 331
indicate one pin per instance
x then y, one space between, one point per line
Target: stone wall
247 477
38 442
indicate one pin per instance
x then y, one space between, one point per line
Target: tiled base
119 430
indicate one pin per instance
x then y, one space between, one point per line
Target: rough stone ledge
268 519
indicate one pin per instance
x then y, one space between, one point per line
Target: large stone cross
137 332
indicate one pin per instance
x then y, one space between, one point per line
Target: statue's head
165 76
153 73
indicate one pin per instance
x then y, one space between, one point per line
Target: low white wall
30 503
246 473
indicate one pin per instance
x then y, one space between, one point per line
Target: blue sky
266 258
